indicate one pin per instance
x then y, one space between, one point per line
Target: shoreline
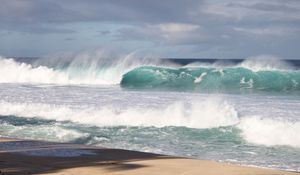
18 156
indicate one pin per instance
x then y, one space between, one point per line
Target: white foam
265 63
248 84
255 63
85 68
199 79
14 72
41 132
269 132
206 114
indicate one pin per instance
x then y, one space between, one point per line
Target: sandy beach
39 157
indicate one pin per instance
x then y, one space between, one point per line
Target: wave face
211 79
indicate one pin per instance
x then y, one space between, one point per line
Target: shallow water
249 129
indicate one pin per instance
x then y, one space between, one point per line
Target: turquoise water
245 114
211 79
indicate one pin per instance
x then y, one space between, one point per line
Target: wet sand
39 157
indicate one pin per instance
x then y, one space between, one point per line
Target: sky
165 28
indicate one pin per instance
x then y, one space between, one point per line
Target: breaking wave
211 79
212 113
91 68
102 67
269 132
208 114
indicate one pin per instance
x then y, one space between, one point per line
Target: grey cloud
135 12
274 7
211 24
56 11
170 34
254 11
70 39
35 29
32 12
104 32
264 6
17 13
45 30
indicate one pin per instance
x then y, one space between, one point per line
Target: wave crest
269 132
91 68
15 72
265 63
206 114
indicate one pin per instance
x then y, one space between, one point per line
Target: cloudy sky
165 28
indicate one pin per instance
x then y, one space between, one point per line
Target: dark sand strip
38 157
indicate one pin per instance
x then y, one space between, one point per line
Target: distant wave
211 79
100 68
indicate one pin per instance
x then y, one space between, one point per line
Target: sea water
244 113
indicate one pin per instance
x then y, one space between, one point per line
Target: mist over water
100 67
105 68
249 116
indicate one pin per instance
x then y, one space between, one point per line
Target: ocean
244 112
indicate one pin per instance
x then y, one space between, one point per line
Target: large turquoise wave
211 79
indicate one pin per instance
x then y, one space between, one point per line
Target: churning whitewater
78 71
213 113
251 115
